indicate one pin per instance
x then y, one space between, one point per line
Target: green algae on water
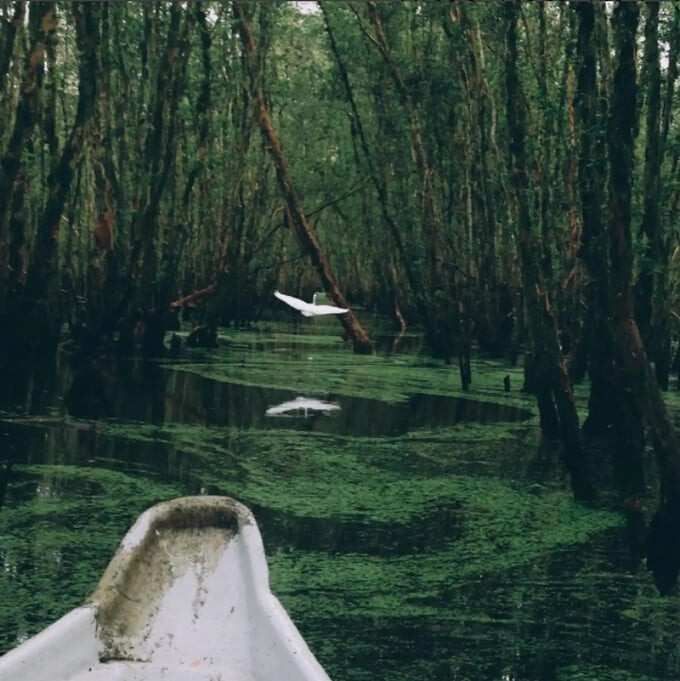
502 531
321 365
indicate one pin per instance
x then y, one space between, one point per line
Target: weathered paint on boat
186 596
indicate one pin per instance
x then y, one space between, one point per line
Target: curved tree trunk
303 230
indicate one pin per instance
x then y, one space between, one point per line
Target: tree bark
42 263
602 412
303 230
654 260
7 42
551 379
42 23
636 375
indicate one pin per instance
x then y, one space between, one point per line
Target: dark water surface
413 532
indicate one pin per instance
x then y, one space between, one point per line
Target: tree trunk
550 372
602 412
654 260
40 278
481 111
7 42
303 230
636 375
431 211
203 105
660 322
42 23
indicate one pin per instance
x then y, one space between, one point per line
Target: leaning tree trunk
550 376
303 230
443 329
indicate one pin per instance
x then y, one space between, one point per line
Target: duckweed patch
319 475
319 365
502 531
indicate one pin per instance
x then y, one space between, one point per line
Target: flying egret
300 404
309 309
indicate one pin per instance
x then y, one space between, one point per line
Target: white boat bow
185 597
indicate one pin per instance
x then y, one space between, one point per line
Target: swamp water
413 532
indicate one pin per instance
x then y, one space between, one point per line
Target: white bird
302 404
309 309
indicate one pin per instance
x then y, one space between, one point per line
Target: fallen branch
193 296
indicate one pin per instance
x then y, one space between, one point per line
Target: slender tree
8 33
653 259
303 230
550 377
42 268
42 24
602 413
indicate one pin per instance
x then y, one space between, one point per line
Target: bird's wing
293 302
329 309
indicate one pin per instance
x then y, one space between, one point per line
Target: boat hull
186 596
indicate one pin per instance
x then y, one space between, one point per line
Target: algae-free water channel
413 532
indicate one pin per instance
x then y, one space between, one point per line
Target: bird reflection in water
302 406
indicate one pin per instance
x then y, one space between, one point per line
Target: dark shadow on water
284 531
135 391
56 441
